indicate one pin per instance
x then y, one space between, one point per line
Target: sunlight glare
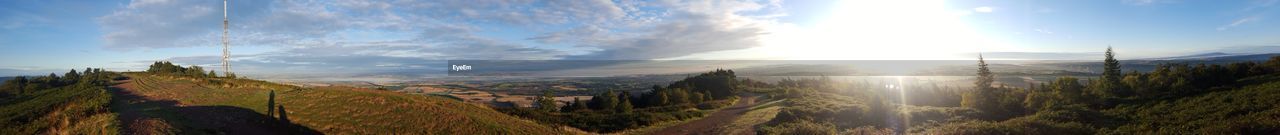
879 30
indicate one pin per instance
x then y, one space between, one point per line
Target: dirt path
707 125
142 114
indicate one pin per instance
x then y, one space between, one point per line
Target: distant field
342 110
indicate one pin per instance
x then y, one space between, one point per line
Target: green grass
342 110
63 110
1250 109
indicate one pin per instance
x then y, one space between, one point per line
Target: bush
715 104
802 127
1049 122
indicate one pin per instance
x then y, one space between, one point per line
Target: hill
75 103
199 105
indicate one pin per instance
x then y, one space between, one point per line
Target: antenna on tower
226 54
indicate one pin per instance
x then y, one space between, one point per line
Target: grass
746 124
71 109
1251 109
663 125
341 110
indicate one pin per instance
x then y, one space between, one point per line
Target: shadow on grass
142 115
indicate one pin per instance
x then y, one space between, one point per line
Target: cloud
687 28
316 36
149 24
1147 1
1238 22
983 9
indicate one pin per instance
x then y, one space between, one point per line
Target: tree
1111 83
1035 100
213 74
625 106
1272 65
195 71
577 105
52 78
546 102
985 77
608 100
1068 89
679 96
697 97
659 98
71 77
983 96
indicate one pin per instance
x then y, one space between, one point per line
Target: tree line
619 110
168 68
27 84
1167 80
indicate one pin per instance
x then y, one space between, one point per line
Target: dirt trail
707 125
142 114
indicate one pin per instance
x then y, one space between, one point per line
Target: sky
378 36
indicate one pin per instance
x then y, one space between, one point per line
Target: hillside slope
196 104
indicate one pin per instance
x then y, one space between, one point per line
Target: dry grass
746 123
343 110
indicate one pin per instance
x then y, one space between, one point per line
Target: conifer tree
609 100
983 96
1110 84
625 106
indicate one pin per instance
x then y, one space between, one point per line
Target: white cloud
1238 22
310 34
983 9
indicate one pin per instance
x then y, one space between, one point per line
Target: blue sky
363 37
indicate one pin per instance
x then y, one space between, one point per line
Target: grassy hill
47 105
1249 109
329 110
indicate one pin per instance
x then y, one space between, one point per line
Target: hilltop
332 110
185 100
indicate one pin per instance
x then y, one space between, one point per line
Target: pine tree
625 106
985 77
609 100
1110 84
983 96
